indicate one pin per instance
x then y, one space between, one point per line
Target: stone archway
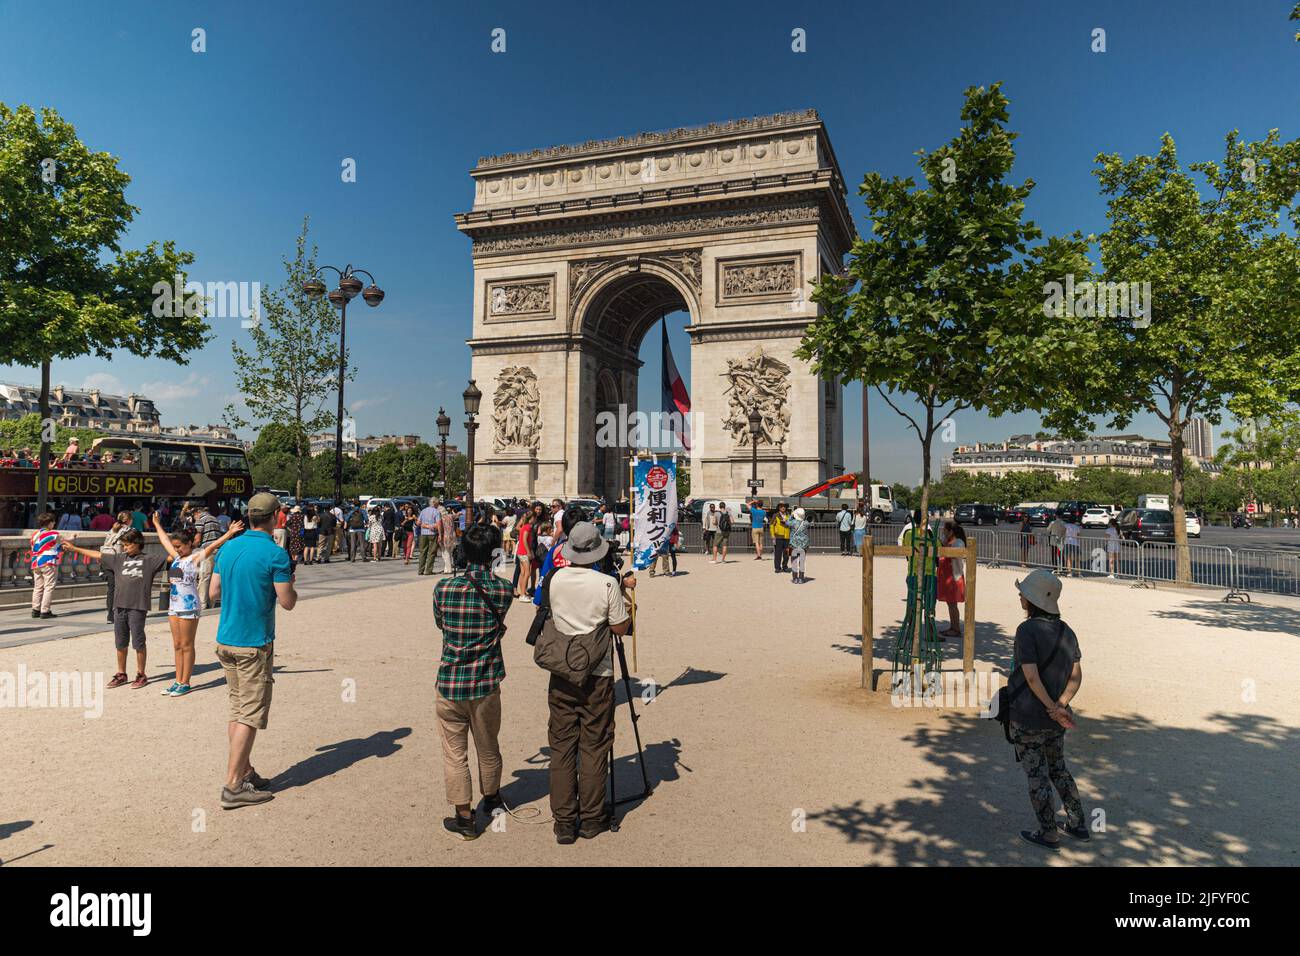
578 251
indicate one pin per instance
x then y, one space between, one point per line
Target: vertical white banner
655 509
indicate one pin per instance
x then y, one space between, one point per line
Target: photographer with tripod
583 600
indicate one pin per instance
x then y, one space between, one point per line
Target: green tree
67 288
903 495
292 364
944 304
273 459
25 432
1224 325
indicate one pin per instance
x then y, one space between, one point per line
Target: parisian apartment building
1132 453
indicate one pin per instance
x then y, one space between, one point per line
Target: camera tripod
614 799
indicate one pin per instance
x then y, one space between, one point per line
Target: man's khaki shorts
248 676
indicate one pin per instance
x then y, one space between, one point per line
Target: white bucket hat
799 513
1041 588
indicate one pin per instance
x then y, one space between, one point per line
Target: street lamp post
348 287
444 427
472 398
755 429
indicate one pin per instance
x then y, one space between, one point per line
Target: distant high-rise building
1199 438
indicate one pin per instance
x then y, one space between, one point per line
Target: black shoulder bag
543 610
1006 695
501 621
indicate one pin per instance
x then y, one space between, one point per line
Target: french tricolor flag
675 397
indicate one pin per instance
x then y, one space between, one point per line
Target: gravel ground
761 746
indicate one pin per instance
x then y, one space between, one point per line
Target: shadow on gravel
331 758
9 829
992 643
220 679
1170 795
662 764
1245 617
646 692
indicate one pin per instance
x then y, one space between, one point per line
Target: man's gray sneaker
245 795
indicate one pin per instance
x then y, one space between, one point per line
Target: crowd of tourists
565 560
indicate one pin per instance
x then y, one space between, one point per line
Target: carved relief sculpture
764 279
554 235
688 264
520 298
517 409
757 381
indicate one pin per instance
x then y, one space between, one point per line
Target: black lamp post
755 429
472 398
348 288
444 427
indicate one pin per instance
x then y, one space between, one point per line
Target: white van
738 509
1154 502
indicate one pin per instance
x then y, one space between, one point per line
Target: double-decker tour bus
120 471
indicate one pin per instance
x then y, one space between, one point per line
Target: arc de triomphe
579 250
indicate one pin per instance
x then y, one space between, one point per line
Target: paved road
87 617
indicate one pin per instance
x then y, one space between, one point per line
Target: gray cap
584 545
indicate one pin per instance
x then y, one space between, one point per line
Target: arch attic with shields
578 251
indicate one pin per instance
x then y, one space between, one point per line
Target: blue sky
229 149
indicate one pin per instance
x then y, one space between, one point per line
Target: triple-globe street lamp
348 288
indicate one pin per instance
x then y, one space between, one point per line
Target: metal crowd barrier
1142 564
1273 572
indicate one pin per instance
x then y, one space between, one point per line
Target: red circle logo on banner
657 478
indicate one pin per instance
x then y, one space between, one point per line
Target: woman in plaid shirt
470 675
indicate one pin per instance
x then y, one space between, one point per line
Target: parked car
1096 518
1041 516
977 514
1016 515
589 505
1074 510
1193 525
1146 524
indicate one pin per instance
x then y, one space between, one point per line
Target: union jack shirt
471 665
45 547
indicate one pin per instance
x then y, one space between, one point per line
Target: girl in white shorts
184 606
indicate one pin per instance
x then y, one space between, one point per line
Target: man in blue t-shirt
252 575
757 522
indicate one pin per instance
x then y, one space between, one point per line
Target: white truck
1154 502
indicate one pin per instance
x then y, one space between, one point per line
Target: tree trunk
43 476
298 453
1182 555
